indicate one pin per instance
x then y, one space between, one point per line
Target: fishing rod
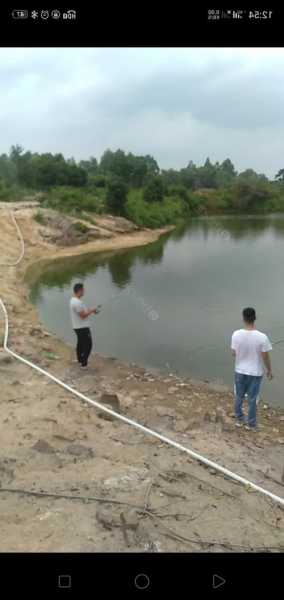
277 342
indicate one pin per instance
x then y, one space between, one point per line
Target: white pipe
166 440
21 240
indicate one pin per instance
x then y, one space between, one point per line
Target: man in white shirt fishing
250 348
81 324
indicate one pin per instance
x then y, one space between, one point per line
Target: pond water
173 304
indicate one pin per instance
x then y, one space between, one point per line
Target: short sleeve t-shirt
76 306
248 345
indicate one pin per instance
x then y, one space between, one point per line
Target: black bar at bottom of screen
77 574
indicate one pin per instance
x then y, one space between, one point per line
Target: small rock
105 517
110 518
160 423
35 331
43 446
181 426
164 411
5 359
265 406
227 426
207 417
131 519
106 416
112 400
172 390
79 450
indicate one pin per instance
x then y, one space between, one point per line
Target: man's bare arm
84 314
267 362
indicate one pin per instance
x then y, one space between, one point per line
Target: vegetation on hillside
135 186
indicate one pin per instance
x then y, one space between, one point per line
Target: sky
177 104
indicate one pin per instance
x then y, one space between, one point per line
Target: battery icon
20 14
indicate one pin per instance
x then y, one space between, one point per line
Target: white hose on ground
162 438
14 264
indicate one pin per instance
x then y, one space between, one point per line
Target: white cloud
178 104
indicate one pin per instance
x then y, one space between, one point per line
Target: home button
142 581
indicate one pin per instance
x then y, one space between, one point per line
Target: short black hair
249 315
77 287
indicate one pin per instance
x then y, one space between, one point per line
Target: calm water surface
173 304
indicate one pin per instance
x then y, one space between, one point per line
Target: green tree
171 177
228 168
116 163
8 170
207 175
91 165
138 170
252 196
152 165
280 175
154 191
250 176
116 195
189 176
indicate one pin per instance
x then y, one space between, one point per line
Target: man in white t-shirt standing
81 324
251 349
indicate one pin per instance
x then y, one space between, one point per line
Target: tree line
129 184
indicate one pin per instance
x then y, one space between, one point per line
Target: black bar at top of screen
122 25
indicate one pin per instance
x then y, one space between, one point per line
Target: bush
157 214
155 190
116 196
80 227
250 196
40 218
97 181
14 193
74 200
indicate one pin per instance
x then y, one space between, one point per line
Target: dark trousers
84 345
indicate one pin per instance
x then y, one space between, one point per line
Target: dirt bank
140 495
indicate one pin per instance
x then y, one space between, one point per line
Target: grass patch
40 218
80 227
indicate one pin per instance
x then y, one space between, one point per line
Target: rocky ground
74 479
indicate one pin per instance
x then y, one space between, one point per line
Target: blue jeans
250 385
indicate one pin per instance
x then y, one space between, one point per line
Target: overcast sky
177 104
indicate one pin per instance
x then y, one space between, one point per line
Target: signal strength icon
226 14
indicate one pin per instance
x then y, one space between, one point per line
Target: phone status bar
239 15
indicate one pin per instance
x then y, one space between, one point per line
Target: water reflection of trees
237 228
59 273
120 263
